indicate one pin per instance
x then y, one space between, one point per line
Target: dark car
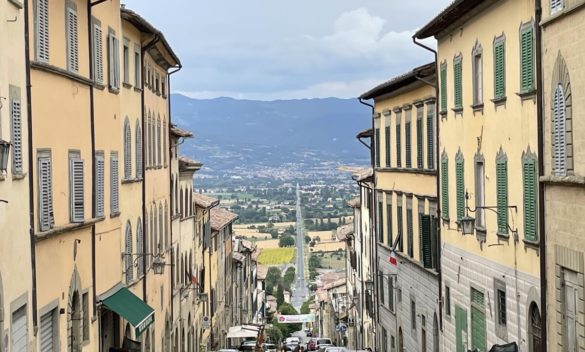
312 345
292 347
248 346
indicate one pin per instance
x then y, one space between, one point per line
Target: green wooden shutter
460 189
389 240
460 329
502 195
419 143
529 171
499 70
377 143
445 188
426 243
380 229
458 83
478 324
408 148
400 225
410 232
430 137
388 159
527 59
398 147
443 87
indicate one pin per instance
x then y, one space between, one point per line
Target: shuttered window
380 215
458 82
72 42
127 150
161 229
444 87
138 150
114 184
388 149
499 68
137 67
140 247
381 286
426 241
391 293
431 136
460 186
45 177
19 331
389 240
16 135
398 143
42 30
155 243
113 60
165 150
478 325
410 232
502 193
527 58
377 146
167 239
419 137
559 137
445 187
530 211
126 58
98 53
478 76
76 188
158 143
48 332
556 6
408 148
100 184
85 306
128 267
400 228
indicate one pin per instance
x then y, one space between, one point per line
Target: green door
478 338
461 329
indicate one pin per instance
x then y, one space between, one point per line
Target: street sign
205 322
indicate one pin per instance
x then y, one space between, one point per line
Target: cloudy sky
282 49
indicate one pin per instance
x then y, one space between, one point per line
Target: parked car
293 339
249 345
228 350
323 343
312 345
309 333
269 347
336 349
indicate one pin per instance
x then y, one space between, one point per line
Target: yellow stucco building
488 168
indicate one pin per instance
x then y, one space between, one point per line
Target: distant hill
271 132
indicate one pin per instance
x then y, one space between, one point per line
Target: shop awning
130 307
242 331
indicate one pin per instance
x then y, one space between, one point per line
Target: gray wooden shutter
16 134
99 198
128 257
138 150
76 193
98 54
559 133
47 333
127 150
19 331
408 149
140 247
46 220
556 5
167 240
117 62
42 30
72 42
114 184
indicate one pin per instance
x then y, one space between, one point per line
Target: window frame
72 36
526 28
98 51
45 155
477 67
126 61
479 177
42 30
502 192
458 82
100 184
501 317
444 97
499 77
76 196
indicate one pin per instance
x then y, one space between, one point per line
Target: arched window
562 120
158 142
138 150
128 253
148 144
140 247
165 138
127 149
161 242
167 240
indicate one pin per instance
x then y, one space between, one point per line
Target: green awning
130 307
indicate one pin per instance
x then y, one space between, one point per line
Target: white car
293 340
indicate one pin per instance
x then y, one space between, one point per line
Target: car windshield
324 341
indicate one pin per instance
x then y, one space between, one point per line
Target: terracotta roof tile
204 201
221 217
354 203
344 232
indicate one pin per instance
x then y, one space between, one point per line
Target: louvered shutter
478 325
388 150
159 144
380 227
419 142
502 195
529 170
167 240
460 189
445 188
99 197
434 243
128 257
408 149
461 341
400 225
389 240
431 137
16 134
42 30
127 151
165 137
410 232
398 147
19 331
527 59
556 5
155 230
98 54
499 70
140 248
114 184
559 133
116 63
46 333
444 88
426 242
458 83
161 242
147 239
76 194
138 151
72 43
377 145
46 220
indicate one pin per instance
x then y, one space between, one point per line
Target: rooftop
261 271
400 81
186 164
221 217
204 201
363 174
345 232
180 132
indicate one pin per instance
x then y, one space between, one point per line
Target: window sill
137 89
458 110
175 217
530 94
126 85
480 234
99 86
568 180
18 177
16 3
114 90
131 180
443 113
158 94
503 236
65 228
43 66
423 171
499 101
114 215
164 96
477 107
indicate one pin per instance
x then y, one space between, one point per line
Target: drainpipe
437 184
541 205
31 204
144 141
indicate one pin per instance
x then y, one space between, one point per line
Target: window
501 314
138 150
161 229
570 300
426 241
559 138
400 226
113 60
556 6
444 87
460 185
156 84
479 191
527 58
127 150
502 191
458 82
381 286
114 184
388 149
445 185
412 313
42 30
530 212
45 177
128 267
157 158
407 138
478 326
98 66
377 145
419 136
140 247
391 293
16 130
155 244
76 194
72 44
165 138
163 86
380 215
99 180
85 307
431 136
384 340
126 56
477 74
48 331
398 140
500 67
137 67
19 330
389 240
167 239
409 229
448 301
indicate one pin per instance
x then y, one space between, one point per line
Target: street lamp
4 151
369 285
468 223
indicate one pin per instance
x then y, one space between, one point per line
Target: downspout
437 184
143 50
31 203
541 205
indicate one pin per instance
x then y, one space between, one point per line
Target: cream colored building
405 211
17 306
488 148
563 174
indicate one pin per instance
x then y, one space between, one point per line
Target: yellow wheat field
276 256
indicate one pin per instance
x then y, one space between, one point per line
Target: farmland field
332 260
323 235
328 246
276 256
267 244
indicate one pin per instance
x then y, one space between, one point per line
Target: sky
293 49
